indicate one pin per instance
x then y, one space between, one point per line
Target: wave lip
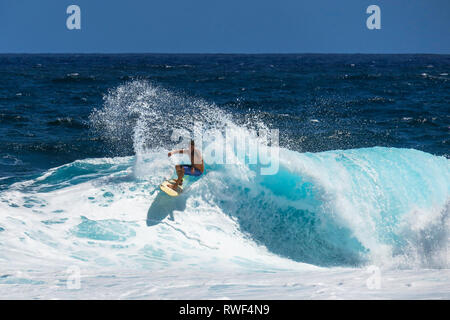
377 205
342 207
383 206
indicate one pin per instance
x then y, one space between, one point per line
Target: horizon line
223 53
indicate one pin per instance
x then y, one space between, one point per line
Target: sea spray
331 208
383 206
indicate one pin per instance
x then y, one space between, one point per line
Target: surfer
196 168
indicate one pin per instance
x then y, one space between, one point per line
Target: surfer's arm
176 151
197 162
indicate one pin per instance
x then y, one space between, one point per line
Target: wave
67 122
380 206
73 78
12 118
383 206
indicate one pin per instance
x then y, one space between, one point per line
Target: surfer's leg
180 173
179 181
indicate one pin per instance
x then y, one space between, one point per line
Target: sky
231 26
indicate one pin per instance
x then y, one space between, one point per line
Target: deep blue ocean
362 170
319 102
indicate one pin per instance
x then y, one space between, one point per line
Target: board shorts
187 170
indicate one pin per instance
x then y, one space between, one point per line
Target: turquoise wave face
336 208
347 207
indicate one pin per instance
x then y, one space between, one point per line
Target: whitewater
369 223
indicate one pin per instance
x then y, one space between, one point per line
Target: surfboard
164 187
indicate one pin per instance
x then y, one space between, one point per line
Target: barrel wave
356 207
337 208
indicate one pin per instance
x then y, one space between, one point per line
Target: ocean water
358 206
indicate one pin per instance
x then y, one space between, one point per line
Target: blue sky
231 26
